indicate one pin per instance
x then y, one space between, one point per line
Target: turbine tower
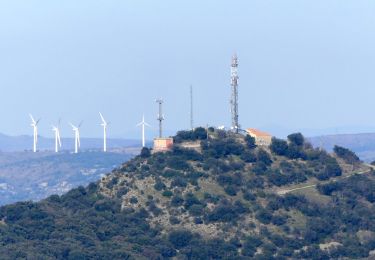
143 124
57 137
34 125
160 117
191 109
104 124
77 142
234 98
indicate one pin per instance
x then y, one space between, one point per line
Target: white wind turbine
143 124
77 142
56 129
104 124
34 125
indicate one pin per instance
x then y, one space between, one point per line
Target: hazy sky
302 64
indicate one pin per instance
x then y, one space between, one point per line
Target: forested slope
217 201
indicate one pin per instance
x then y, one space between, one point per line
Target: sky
303 65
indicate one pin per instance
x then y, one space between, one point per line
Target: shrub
133 200
145 152
159 185
279 146
278 220
250 142
190 200
174 220
167 193
295 152
259 168
223 213
296 139
333 169
249 196
248 157
347 155
180 238
179 182
230 190
177 163
168 173
264 157
177 200
196 210
329 188
264 216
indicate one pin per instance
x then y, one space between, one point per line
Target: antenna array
160 117
234 97
191 109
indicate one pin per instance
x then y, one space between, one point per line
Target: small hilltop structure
162 144
261 138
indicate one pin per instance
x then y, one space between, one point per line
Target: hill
224 199
362 144
35 176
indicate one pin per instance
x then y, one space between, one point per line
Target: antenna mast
234 98
160 117
191 108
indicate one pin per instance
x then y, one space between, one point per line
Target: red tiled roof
257 132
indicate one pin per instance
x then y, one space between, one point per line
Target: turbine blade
32 118
101 116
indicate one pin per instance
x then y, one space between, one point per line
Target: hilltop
207 198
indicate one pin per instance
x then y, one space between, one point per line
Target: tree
345 154
295 151
250 142
199 133
279 146
180 238
264 157
145 152
296 139
248 156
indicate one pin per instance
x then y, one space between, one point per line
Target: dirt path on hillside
285 191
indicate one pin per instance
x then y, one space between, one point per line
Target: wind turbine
104 124
77 142
57 137
143 124
34 125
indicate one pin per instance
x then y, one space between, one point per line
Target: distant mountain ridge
24 142
34 176
363 144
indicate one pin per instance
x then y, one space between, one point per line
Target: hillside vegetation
217 200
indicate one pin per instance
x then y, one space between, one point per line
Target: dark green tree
296 138
279 146
145 152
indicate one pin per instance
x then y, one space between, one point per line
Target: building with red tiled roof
163 144
261 138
